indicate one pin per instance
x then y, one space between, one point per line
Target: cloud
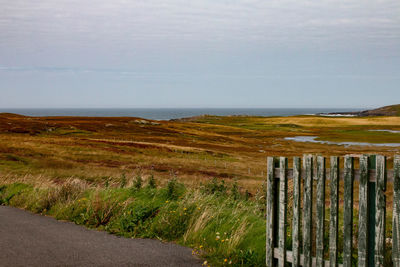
134 23
190 47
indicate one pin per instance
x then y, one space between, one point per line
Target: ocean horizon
169 113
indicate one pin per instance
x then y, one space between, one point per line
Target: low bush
214 187
152 182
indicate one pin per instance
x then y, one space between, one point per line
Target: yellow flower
222 240
166 201
205 263
184 209
201 246
225 260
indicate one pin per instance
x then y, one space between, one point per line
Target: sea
169 113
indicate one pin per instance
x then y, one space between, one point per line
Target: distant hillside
393 110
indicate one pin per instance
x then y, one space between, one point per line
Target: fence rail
356 174
309 249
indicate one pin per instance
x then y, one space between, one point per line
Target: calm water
171 113
313 139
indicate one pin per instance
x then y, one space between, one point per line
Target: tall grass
221 227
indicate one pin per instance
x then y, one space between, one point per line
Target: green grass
220 227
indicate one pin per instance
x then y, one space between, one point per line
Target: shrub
101 211
123 181
10 191
174 189
137 184
134 216
235 190
152 182
214 187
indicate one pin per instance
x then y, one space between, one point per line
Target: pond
388 131
313 139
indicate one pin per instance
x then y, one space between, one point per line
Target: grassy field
197 149
88 170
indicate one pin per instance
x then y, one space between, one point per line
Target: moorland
196 181
194 149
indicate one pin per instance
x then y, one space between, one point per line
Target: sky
208 53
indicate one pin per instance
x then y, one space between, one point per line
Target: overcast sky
210 53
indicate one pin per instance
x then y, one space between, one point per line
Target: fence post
282 211
348 212
296 211
371 214
363 213
320 211
396 213
307 207
270 240
380 215
334 204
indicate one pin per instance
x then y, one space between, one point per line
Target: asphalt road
28 239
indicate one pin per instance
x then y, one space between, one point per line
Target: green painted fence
314 240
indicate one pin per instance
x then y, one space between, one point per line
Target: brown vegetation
195 150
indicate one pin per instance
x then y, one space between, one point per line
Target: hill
393 110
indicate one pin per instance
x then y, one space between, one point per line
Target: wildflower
166 201
201 246
198 208
205 263
230 262
184 208
225 260
217 238
222 241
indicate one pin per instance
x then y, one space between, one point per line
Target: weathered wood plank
380 214
348 212
320 211
296 212
270 212
307 207
282 211
363 213
371 213
334 204
396 213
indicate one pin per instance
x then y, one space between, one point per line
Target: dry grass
53 149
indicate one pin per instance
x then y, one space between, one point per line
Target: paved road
33 240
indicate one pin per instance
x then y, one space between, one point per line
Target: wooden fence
372 178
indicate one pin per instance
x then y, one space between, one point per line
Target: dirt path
32 240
